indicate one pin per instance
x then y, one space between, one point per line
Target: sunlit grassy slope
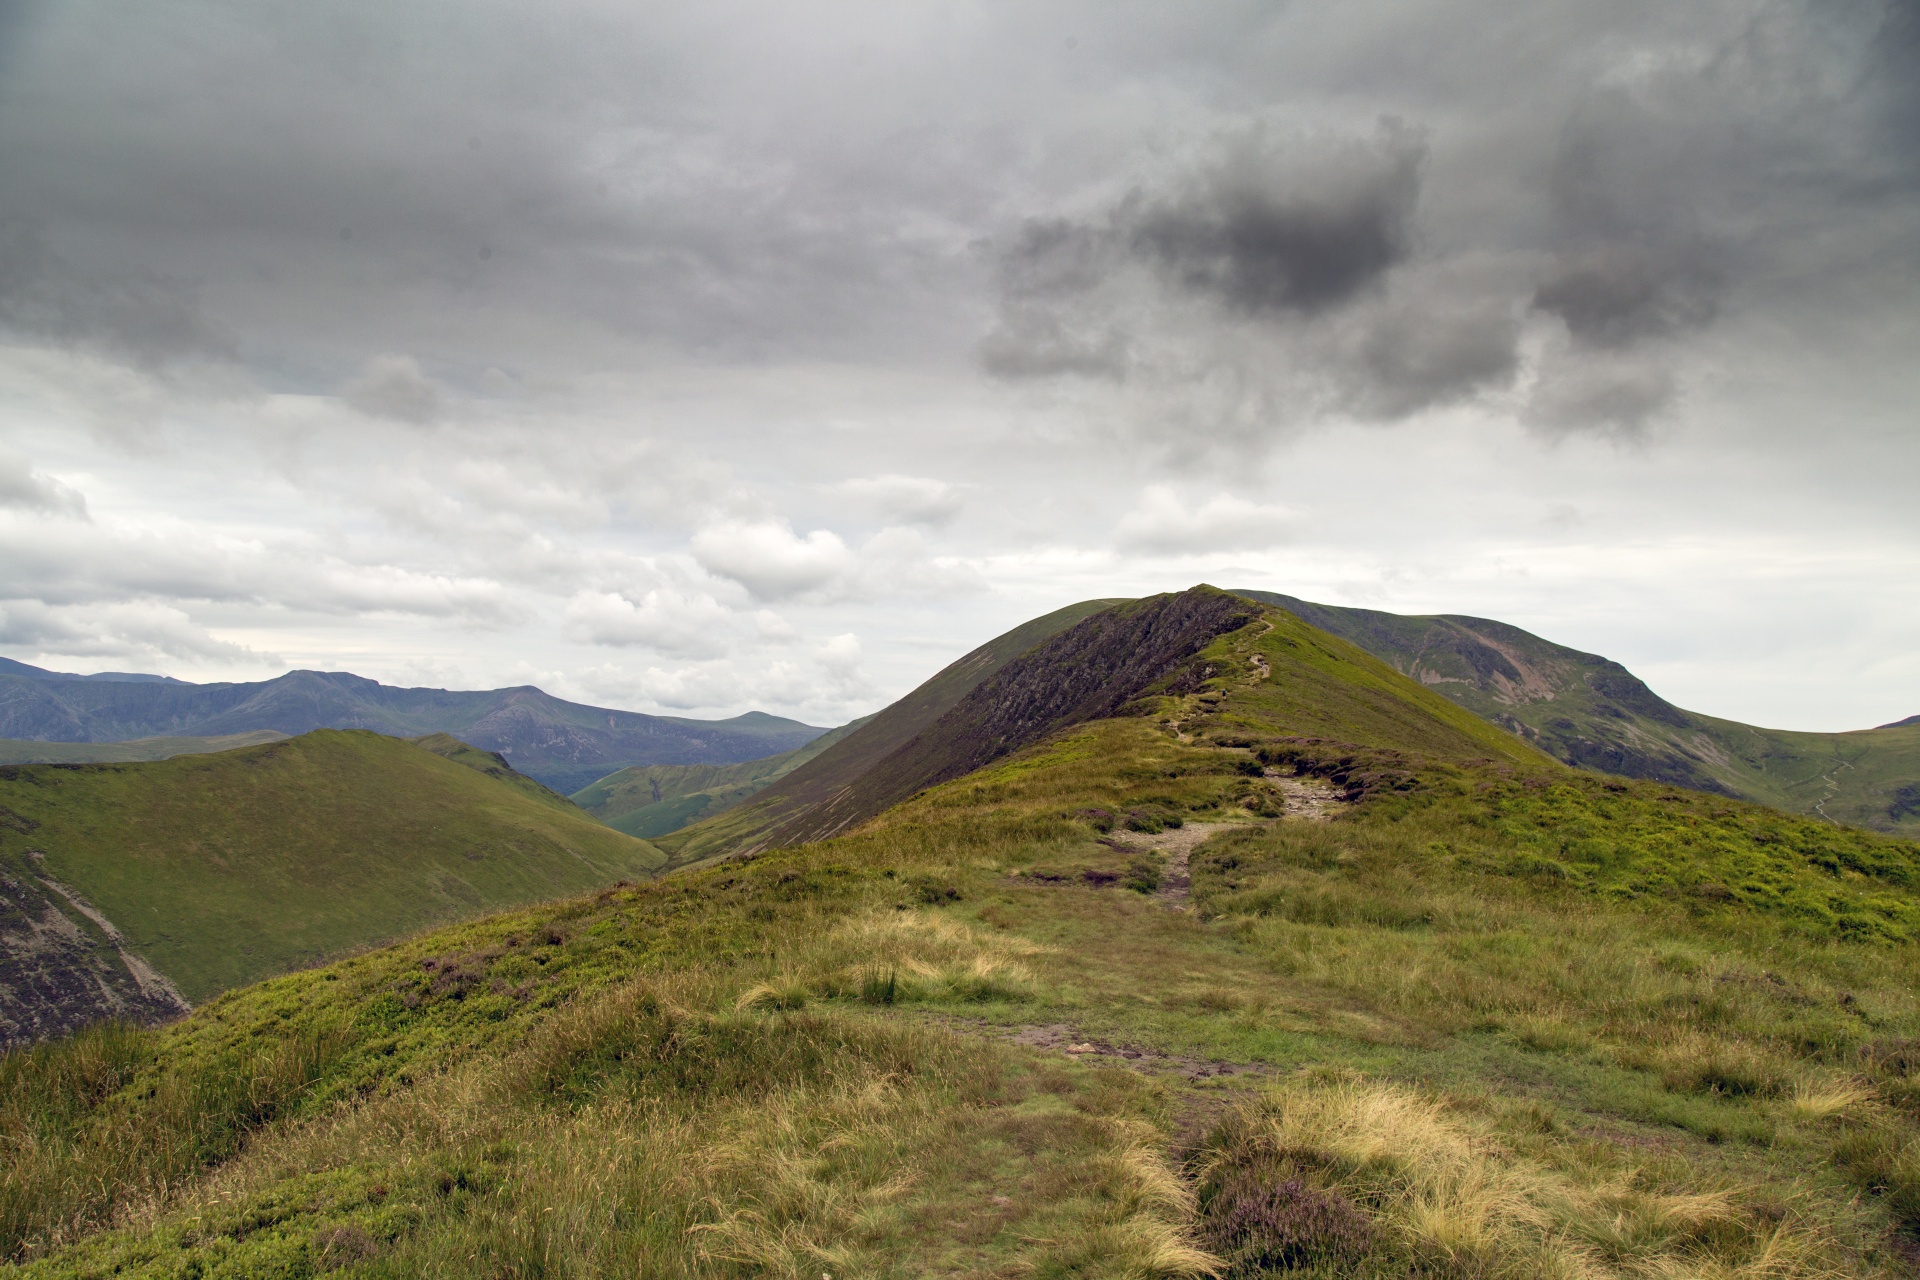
1496 1018
223 869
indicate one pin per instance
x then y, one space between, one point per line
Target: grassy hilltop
1285 965
223 869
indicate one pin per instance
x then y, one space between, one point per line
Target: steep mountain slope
892 728
657 799
21 751
63 965
1480 1016
1084 672
223 869
1591 711
564 744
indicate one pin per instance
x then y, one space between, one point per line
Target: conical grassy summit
1408 999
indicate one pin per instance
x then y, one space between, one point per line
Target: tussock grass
1448 1198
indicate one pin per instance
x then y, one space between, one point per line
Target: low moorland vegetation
1490 1018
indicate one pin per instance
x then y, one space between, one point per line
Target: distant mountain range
565 745
9 667
1588 710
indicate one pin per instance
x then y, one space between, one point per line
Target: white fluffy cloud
1161 524
134 633
908 499
663 620
23 488
770 560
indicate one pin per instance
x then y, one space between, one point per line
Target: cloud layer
707 357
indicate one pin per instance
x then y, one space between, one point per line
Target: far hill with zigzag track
1590 711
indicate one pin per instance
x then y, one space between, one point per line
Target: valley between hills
1205 934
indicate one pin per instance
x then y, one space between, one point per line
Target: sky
697 358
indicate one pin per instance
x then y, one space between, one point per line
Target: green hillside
20 751
653 800
224 869
1591 711
1292 967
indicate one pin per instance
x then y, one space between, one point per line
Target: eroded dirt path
1063 1037
1308 798
1176 882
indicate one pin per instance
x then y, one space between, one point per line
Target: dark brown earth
64 966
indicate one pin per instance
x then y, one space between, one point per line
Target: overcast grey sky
701 357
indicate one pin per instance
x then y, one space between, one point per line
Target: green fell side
1590 711
838 767
223 869
493 765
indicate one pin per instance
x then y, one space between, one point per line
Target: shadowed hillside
1591 711
656 799
839 766
219 870
1293 967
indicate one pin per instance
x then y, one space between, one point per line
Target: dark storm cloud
1415 356
1274 230
133 312
1205 193
1265 233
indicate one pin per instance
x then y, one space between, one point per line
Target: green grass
224 869
1486 1011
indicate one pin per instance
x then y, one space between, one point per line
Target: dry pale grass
891 957
1451 1199
1817 1099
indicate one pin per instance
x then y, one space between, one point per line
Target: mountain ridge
563 744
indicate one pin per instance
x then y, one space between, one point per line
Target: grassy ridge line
1589 711
654 800
22 751
493 765
227 868
1491 1066
838 767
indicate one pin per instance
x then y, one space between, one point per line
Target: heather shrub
1260 1223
